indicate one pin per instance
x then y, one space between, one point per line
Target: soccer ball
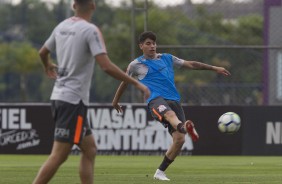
229 122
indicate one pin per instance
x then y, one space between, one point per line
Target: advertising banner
262 131
133 131
28 129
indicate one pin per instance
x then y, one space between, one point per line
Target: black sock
166 162
181 128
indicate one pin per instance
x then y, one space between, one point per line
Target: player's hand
51 71
117 107
221 70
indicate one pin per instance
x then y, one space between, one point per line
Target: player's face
149 48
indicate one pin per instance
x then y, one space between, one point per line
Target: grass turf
22 169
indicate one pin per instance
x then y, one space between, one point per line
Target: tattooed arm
195 65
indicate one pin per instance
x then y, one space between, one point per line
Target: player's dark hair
147 34
82 2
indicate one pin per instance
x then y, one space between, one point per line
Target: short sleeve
177 61
96 41
50 43
129 70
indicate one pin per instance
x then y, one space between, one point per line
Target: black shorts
159 106
71 123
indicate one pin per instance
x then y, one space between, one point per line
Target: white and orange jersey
76 43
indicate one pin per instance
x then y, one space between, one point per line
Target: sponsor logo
61 132
274 133
161 108
67 33
130 131
16 130
14 118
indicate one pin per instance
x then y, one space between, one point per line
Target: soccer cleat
160 175
190 128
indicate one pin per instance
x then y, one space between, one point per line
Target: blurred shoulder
165 54
134 63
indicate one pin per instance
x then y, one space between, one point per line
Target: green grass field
21 169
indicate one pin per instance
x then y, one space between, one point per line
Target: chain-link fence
243 36
203 39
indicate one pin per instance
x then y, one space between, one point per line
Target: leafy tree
39 21
32 21
29 20
20 59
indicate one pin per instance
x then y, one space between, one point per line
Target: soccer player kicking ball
156 72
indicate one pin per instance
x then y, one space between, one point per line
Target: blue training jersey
160 77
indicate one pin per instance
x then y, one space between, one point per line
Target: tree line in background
25 26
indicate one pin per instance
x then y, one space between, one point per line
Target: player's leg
161 111
69 121
178 140
171 154
62 113
88 153
184 126
171 117
87 145
59 154
176 118
165 112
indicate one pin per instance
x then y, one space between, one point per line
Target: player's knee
91 153
58 159
169 115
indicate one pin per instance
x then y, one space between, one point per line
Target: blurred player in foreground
156 72
78 44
